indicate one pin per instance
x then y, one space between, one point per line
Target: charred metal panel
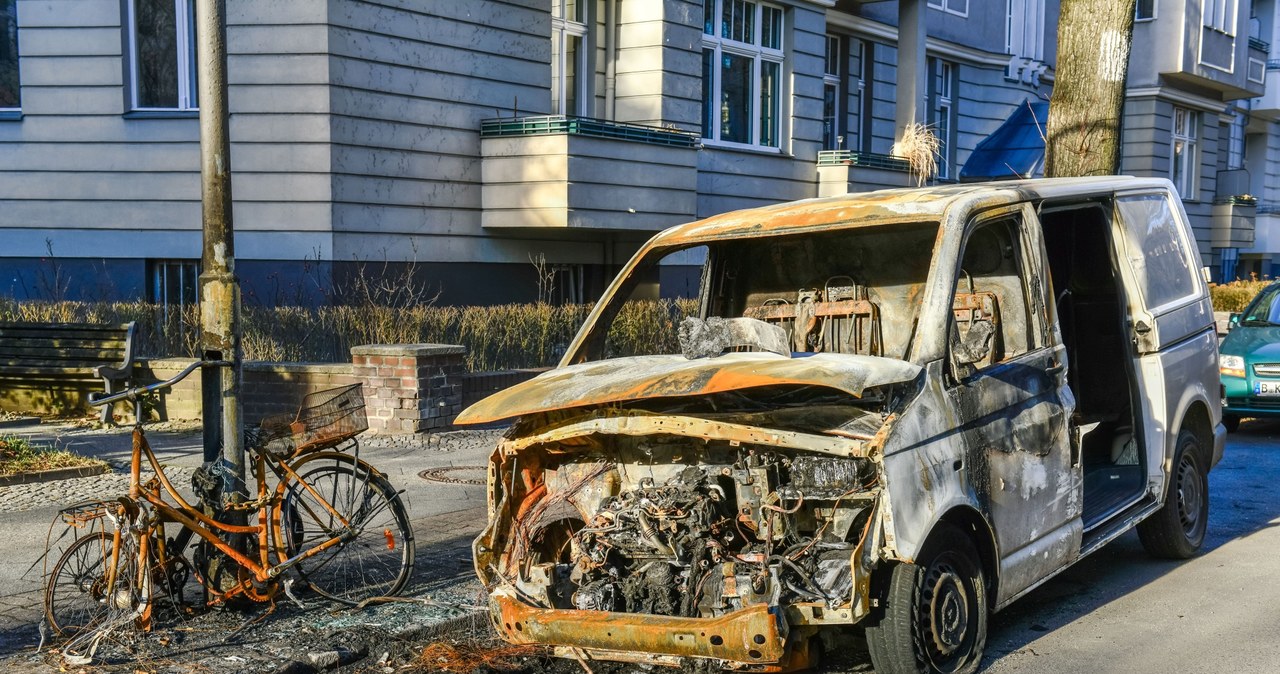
644 377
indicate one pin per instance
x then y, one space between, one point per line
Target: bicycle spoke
376 551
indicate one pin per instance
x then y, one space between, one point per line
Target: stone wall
268 388
480 385
410 388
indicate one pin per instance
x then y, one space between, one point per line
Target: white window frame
1220 15
945 110
1236 140
561 29
184 17
1023 33
956 7
17 56
831 79
1189 134
1138 17
758 54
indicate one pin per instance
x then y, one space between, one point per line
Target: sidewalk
442 591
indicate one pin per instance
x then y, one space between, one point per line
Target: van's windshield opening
852 291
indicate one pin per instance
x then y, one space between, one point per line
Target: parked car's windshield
847 291
1265 309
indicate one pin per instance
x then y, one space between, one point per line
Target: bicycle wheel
375 556
76 599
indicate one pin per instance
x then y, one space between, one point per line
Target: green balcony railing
1259 45
585 126
862 159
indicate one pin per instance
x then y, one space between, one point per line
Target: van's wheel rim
945 605
1190 494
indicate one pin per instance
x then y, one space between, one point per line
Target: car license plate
1266 388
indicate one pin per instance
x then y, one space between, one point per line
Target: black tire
1232 422
1176 531
75 597
377 559
946 589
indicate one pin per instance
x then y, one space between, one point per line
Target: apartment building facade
505 150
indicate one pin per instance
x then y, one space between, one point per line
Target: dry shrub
921 149
1235 296
466 658
507 336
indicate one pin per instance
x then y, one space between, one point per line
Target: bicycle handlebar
133 393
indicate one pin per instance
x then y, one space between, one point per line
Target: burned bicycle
319 515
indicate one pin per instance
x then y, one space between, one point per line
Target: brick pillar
410 388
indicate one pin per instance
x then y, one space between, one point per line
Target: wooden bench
79 351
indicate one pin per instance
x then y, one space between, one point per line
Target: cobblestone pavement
22 497
443 589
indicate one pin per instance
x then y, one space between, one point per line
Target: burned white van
901 410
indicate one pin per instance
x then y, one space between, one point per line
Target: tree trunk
1083 132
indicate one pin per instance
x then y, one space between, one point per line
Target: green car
1250 360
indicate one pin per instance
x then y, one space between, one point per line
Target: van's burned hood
622 380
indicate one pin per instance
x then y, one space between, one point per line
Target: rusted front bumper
753 635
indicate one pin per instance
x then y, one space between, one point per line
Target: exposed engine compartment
678 526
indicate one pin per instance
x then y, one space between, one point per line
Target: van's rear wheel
935 613
1177 530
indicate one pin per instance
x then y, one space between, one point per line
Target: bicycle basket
325 419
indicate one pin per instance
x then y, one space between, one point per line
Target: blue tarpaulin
1015 150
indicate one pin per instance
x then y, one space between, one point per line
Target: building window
957 7
1235 141
10 93
1220 15
569 63
1145 10
866 95
942 112
1024 37
162 44
1182 151
173 285
742 72
831 133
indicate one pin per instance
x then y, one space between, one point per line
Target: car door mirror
1233 320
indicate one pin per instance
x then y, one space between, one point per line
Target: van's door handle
1055 369
1141 328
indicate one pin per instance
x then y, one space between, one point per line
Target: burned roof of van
884 206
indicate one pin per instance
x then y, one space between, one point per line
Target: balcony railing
1268 207
1260 45
863 159
585 126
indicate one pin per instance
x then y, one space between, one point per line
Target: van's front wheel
1177 530
935 613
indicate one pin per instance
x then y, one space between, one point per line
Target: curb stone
19 422
53 474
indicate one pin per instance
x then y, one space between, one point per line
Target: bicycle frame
195 521
267 530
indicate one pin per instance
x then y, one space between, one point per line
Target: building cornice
1181 97
863 27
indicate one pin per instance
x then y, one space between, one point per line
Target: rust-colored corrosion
646 377
753 634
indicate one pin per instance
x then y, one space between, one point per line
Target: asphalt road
1121 611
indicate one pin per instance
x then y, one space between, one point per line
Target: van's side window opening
990 310
1161 259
